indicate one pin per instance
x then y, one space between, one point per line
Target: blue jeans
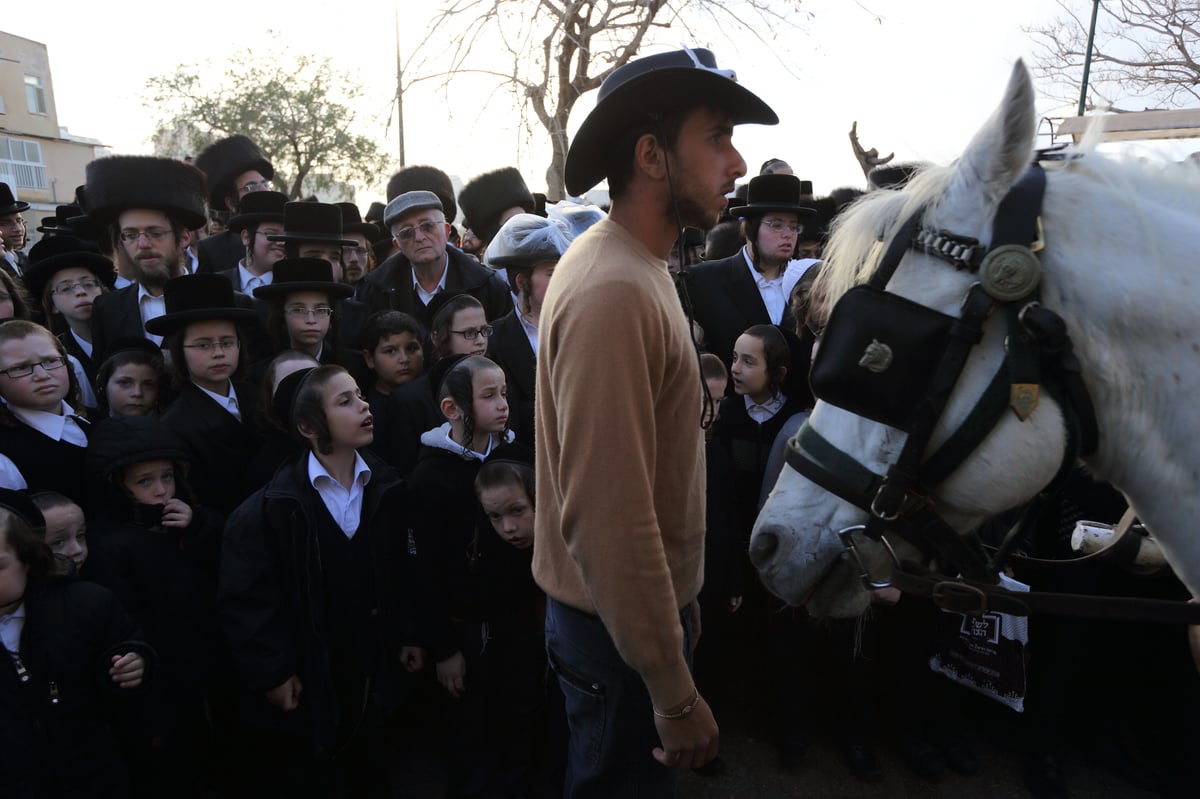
609 714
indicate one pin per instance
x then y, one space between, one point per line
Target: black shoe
1043 776
713 768
791 752
862 762
921 756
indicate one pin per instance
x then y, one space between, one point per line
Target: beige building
41 161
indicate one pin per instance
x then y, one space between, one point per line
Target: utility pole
399 89
1087 59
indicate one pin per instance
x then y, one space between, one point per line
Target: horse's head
796 544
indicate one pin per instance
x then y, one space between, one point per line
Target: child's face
307 325
44 390
510 512
150 483
74 304
467 319
396 359
132 390
346 413
716 390
213 369
749 370
12 576
491 400
66 533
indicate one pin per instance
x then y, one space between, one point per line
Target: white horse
1121 265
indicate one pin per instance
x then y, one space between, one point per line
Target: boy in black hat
260 218
235 169
12 232
619 535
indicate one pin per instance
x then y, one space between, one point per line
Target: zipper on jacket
22 672
53 693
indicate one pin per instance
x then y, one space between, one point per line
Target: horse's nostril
762 546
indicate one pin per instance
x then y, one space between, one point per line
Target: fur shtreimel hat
486 197
663 83
222 161
119 182
425 178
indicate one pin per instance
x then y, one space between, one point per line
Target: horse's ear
1002 149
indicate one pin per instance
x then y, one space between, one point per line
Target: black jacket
271 599
509 348
726 301
389 287
54 728
115 316
220 252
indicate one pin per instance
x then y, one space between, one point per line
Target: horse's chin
840 595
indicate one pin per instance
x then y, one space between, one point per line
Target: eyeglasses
273 232
26 369
153 234
778 225
426 228
362 251
71 288
300 311
208 346
471 333
254 185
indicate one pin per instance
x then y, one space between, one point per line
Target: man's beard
153 276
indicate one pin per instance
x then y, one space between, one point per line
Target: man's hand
451 673
127 670
689 742
286 697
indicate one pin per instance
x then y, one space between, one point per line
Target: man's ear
245 237
650 157
231 203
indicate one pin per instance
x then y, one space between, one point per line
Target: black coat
509 348
272 602
222 448
389 287
409 411
726 301
115 316
54 729
46 464
220 252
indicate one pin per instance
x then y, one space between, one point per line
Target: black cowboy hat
53 254
198 298
489 195
352 222
302 274
317 222
258 207
766 193
222 161
662 83
9 204
424 178
118 182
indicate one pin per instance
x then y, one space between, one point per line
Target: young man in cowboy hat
260 218
12 232
752 286
146 204
235 168
620 463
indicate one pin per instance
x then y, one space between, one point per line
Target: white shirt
10 629
250 281
151 307
345 506
121 282
191 261
773 295
86 392
10 475
764 412
86 346
58 427
426 296
529 327
228 403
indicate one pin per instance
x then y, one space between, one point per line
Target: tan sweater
620 452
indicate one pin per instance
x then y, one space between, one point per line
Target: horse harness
895 361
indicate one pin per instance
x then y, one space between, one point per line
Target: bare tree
552 51
1145 51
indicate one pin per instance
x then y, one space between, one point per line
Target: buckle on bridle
958 597
846 535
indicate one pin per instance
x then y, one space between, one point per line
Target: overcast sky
920 76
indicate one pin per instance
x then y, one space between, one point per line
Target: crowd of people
267 482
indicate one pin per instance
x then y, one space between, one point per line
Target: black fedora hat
662 83
56 253
258 207
60 222
222 161
767 193
352 222
198 298
486 197
302 274
9 204
118 182
319 222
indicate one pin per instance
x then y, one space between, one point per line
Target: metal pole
399 89
1087 59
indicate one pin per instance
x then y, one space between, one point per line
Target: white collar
229 403
55 426
441 283
317 471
